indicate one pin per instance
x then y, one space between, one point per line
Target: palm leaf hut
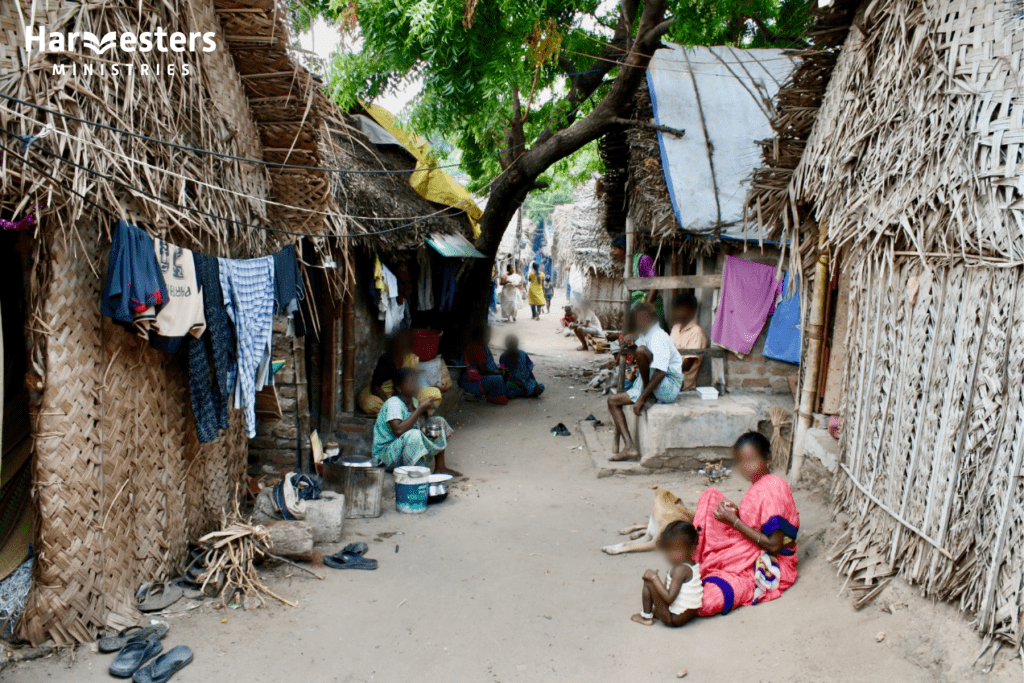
896 175
96 421
678 174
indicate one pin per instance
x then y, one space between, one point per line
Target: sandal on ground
355 549
131 658
345 560
163 667
132 634
154 597
560 430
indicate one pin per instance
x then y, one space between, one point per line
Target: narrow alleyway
506 582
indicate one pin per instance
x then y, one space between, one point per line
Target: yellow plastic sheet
434 185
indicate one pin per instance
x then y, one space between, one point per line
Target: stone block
690 432
756 382
819 444
285 430
326 517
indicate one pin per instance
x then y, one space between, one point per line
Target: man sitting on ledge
661 374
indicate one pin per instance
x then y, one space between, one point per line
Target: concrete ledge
599 444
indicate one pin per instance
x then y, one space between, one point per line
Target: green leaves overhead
515 56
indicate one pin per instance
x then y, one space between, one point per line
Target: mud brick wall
756 373
273 449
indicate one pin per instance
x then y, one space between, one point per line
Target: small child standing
674 601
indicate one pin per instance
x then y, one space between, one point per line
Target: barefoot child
675 600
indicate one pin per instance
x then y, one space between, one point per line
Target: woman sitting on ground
397 355
483 378
747 554
520 369
397 437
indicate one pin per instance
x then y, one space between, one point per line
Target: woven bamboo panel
66 602
932 430
916 138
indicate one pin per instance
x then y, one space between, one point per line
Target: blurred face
409 387
643 321
512 342
749 462
683 315
677 552
618 254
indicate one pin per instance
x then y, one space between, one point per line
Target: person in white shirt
661 375
587 323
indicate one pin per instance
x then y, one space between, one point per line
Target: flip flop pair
351 557
163 667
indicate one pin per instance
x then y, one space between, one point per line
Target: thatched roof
581 237
768 204
73 159
300 125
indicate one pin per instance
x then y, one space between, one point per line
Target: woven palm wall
914 168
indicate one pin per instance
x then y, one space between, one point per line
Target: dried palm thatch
583 229
797 103
913 168
650 206
933 432
917 141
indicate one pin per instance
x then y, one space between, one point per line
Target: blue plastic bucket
411 485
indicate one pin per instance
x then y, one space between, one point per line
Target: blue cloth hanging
784 330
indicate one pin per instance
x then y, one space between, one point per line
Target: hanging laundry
749 293
209 391
379 280
248 290
425 293
183 312
288 290
391 312
783 339
134 285
449 274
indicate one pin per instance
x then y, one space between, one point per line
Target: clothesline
221 308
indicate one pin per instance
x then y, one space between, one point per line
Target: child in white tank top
675 600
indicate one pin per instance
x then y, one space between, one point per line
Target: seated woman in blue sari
484 378
520 370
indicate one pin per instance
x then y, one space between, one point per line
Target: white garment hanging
426 284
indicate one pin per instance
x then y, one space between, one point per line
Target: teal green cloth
411 448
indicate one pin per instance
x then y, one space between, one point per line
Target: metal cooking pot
437 488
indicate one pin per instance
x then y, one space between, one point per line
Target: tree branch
646 124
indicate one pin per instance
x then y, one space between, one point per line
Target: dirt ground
505 582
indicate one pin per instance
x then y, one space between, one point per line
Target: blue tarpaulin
783 340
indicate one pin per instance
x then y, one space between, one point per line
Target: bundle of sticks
230 557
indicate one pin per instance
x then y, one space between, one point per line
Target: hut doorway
17 517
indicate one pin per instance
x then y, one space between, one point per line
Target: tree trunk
509 190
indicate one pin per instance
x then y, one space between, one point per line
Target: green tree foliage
487 63
523 88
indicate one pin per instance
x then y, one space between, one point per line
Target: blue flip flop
345 560
132 634
132 656
163 667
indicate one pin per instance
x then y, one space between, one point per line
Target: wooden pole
348 345
812 357
626 272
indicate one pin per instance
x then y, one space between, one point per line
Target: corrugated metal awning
453 246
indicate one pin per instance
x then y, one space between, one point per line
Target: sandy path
505 582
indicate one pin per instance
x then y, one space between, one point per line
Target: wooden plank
675 282
838 348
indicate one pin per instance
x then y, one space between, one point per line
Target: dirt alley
506 582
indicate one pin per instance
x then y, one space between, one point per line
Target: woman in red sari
747 554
